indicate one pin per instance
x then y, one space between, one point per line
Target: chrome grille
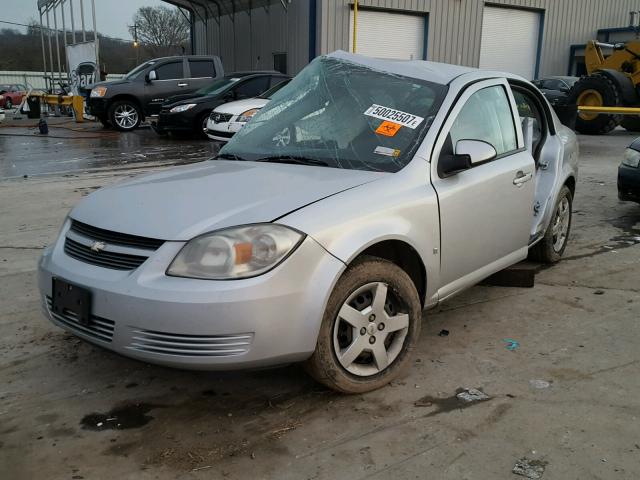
191 345
98 328
113 260
218 117
114 238
108 249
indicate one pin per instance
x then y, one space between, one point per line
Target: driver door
485 210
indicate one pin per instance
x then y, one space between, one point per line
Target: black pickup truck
124 103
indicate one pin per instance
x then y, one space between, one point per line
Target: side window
252 87
201 68
486 116
276 81
530 119
169 71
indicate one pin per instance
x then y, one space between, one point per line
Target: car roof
436 72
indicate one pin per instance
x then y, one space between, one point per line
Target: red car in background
12 93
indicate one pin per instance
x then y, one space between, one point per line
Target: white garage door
388 35
510 40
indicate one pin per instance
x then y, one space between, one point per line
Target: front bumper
97 106
629 183
181 121
198 324
223 131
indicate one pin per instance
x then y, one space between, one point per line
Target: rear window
201 68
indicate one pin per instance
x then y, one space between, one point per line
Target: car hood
183 202
236 108
191 98
110 83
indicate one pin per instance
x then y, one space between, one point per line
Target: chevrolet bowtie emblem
98 246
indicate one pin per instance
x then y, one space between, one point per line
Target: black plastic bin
34 107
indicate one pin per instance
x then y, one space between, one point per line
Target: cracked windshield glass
343 115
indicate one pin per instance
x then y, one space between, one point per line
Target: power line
62 31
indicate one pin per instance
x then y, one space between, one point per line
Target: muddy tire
631 123
554 242
595 90
369 330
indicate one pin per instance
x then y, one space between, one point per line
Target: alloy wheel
126 116
370 330
560 228
8 104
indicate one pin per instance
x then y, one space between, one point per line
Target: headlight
98 92
182 108
244 117
237 252
631 158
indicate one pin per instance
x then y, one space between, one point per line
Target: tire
8 104
595 90
631 123
104 121
201 124
549 249
355 292
125 115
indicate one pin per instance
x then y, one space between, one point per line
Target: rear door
485 211
170 80
201 72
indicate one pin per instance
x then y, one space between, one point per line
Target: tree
162 30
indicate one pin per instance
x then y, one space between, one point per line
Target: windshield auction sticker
388 129
389 152
396 116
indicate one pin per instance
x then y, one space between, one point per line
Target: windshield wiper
294 159
228 156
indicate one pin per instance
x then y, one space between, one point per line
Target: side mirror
151 76
230 95
477 150
468 153
564 89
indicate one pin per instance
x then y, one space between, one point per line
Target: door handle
522 178
181 84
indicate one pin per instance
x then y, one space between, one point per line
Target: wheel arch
402 254
570 182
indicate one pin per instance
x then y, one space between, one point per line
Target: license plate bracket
68 297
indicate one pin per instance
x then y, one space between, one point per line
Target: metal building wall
455 25
248 39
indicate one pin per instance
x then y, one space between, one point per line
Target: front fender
392 208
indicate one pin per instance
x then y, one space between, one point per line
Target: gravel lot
567 398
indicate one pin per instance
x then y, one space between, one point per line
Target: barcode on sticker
385 113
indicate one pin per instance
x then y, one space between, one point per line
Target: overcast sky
112 16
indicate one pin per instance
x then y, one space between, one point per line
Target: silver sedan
365 192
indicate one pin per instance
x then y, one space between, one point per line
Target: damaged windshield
343 115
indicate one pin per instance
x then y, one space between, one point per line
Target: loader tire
631 123
595 90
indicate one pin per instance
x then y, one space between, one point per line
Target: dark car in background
124 103
629 173
555 89
12 94
189 113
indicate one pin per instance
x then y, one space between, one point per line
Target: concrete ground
577 330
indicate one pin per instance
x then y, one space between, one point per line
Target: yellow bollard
77 103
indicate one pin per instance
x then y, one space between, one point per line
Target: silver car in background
365 192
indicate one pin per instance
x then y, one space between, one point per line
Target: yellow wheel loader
612 81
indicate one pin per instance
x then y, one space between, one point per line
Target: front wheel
201 124
125 115
8 104
552 245
369 329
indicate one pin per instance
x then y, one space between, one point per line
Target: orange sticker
388 129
